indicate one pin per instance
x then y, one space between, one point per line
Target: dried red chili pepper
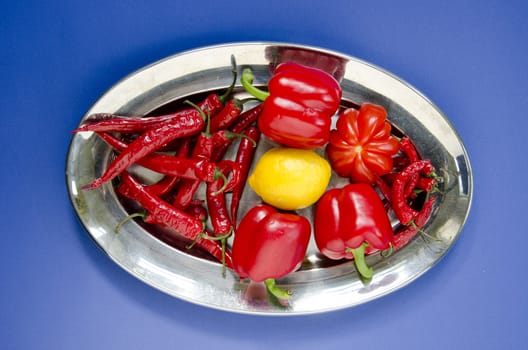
384 188
243 122
158 210
227 116
203 149
217 208
299 105
104 122
163 186
186 168
246 119
350 219
411 153
403 211
168 182
216 205
161 212
426 184
405 235
409 150
198 211
244 157
149 142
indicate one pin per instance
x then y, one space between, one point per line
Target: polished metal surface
319 285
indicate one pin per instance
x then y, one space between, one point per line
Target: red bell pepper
361 147
350 219
269 244
299 106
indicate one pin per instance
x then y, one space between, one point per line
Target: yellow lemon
290 178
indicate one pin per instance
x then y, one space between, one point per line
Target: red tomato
361 147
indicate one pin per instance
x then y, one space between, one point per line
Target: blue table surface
59 291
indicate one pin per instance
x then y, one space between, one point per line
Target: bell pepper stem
276 291
359 260
247 82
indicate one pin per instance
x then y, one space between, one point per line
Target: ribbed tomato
361 146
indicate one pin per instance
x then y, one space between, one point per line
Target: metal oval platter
319 285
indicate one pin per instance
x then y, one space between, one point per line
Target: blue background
59 291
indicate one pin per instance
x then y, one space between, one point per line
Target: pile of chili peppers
188 147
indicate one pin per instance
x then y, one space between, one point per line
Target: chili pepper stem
231 135
128 218
421 231
359 260
229 90
206 118
247 82
197 238
219 174
219 237
277 292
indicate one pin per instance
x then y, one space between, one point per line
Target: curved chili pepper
404 236
198 211
149 142
403 211
227 116
203 149
217 208
384 188
216 205
104 122
168 182
409 150
163 186
161 212
244 157
243 122
246 119
411 184
426 184
186 168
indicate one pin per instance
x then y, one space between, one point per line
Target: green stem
359 259
232 135
218 174
218 237
128 218
247 82
206 118
195 106
229 90
276 291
